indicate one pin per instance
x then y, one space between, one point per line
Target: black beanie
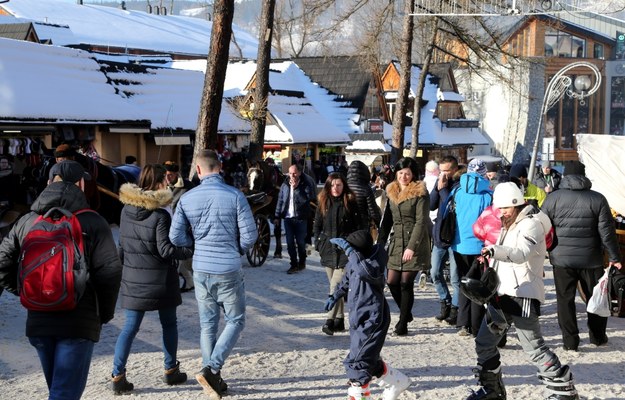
361 241
518 171
574 168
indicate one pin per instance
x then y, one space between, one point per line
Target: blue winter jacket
363 284
472 196
217 219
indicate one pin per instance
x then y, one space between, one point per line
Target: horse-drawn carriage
263 182
260 204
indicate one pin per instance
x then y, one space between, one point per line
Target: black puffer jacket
337 222
359 182
583 225
97 305
150 279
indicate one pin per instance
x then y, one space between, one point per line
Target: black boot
328 327
491 385
453 316
445 310
560 384
339 325
173 376
405 309
120 385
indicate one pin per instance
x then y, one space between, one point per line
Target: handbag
616 286
599 302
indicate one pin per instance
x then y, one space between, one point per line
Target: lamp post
559 85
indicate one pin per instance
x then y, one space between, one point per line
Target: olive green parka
407 214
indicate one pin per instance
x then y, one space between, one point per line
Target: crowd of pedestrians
372 229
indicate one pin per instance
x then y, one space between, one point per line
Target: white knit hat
507 194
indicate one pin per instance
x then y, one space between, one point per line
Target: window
617 106
445 111
562 44
598 51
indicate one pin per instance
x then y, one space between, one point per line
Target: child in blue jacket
369 318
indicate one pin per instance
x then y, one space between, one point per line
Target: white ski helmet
507 194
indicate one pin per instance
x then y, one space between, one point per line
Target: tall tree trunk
401 105
217 63
259 116
416 117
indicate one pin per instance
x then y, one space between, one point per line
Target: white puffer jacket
520 254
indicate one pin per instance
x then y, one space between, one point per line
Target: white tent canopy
605 166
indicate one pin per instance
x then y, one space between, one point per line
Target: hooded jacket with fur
150 276
407 213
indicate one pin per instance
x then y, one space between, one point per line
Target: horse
262 177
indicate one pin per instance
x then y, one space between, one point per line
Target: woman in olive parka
407 216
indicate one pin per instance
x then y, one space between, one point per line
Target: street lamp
557 87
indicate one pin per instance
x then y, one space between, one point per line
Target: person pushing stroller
369 318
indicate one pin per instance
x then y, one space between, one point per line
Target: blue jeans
65 363
214 293
295 232
131 328
439 256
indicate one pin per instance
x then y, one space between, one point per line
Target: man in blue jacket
217 220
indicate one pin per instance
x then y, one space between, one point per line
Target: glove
343 244
330 303
488 252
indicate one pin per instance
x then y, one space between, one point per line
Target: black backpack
616 284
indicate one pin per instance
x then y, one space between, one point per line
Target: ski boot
559 384
394 382
358 392
492 387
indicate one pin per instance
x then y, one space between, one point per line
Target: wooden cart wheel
259 251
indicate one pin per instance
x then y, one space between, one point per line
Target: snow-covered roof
68 24
448 96
312 116
74 87
432 132
77 86
50 83
373 146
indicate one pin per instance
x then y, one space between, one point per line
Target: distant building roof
345 76
70 24
18 31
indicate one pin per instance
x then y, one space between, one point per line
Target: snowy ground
283 354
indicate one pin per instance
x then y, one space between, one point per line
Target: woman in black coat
336 216
149 278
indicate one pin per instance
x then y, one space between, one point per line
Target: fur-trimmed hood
132 195
413 190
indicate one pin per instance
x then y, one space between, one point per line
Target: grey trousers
335 275
529 334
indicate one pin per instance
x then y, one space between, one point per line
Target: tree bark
401 105
416 117
216 65
259 114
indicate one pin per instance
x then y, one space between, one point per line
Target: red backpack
52 270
